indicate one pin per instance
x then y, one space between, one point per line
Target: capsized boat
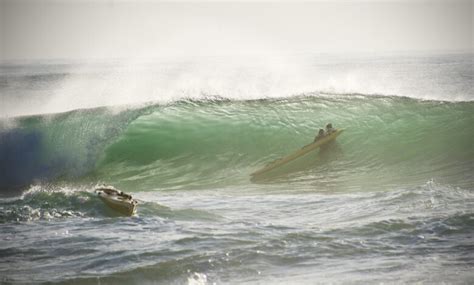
117 200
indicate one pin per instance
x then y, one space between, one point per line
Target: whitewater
391 201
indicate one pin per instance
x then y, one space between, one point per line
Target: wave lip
53 88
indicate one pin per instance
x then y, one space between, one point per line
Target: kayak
117 200
304 150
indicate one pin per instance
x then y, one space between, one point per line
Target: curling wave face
213 143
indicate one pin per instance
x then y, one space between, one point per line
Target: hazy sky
46 29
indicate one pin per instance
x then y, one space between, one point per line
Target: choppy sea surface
390 201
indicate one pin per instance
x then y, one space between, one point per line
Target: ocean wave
198 143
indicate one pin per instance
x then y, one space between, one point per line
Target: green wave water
215 143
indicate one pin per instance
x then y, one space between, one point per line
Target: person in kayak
329 129
320 135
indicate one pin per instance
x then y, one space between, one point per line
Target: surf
195 144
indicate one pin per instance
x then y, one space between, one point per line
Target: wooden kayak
304 150
117 200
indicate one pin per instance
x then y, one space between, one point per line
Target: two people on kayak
321 134
111 191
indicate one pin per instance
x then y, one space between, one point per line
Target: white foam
197 279
125 82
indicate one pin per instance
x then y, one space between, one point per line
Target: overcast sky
46 29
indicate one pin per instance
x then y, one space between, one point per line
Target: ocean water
390 201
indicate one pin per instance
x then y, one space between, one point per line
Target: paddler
320 135
329 129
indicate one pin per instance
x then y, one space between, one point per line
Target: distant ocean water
391 201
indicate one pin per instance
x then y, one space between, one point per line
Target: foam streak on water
407 235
